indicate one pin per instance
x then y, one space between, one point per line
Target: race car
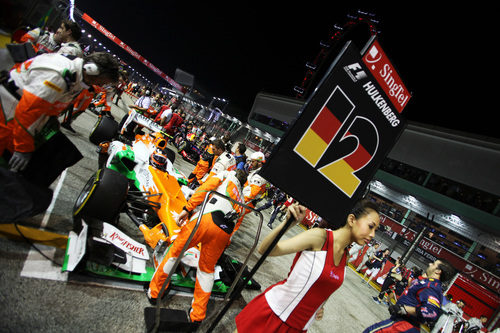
139 180
187 148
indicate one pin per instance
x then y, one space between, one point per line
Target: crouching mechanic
214 231
40 88
419 304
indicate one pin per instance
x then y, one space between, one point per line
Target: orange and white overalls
104 99
82 102
43 41
255 187
213 233
225 161
46 84
207 160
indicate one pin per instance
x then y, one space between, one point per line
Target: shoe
385 303
68 127
151 300
376 300
196 323
270 225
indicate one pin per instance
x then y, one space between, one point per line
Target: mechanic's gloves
397 310
19 161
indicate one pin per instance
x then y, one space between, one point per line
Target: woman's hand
297 211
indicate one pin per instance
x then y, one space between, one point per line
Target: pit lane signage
385 74
133 53
340 137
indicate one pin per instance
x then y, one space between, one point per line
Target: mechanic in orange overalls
104 101
79 106
206 162
42 87
255 186
215 228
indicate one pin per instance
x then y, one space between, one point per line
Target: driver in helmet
158 160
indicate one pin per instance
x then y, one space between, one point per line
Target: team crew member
223 162
240 156
42 87
173 124
79 106
317 271
206 162
143 103
256 185
451 311
63 41
419 304
104 101
377 264
392 276
213 233
368 256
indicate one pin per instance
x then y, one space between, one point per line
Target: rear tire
103 196
104 130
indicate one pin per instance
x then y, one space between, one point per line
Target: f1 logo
355 72
333 127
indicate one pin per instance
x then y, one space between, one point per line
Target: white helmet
258 156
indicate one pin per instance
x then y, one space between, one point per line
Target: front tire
103 196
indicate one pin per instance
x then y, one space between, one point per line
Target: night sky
237 49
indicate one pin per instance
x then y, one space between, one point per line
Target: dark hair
218 143
76 31
447 270
360 209
242 148
242 176
107 64
364 207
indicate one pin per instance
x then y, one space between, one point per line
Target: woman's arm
312 239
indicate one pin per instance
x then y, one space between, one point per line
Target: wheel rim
86 193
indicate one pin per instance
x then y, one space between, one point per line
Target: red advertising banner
385 74
432 251
133 53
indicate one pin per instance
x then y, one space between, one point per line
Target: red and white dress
291 305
